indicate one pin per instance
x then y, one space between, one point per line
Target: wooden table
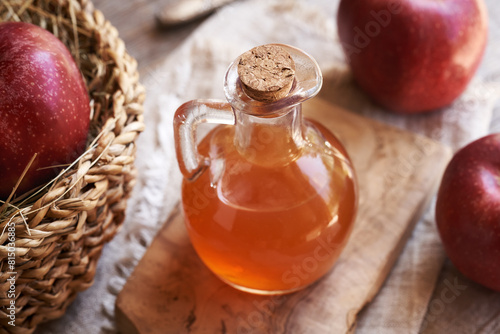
474 309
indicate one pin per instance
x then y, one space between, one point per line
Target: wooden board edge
398 250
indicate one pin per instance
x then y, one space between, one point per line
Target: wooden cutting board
171 291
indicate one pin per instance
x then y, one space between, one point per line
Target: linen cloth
196 70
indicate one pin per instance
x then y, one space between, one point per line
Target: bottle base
262 292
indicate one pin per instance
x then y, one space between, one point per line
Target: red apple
468 211
413 56
44 106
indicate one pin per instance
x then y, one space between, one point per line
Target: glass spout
307 83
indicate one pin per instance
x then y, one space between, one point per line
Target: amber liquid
270 229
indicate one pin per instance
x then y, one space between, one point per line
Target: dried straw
61 228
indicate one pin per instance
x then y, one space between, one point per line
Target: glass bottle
269 198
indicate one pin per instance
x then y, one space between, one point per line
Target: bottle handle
186 120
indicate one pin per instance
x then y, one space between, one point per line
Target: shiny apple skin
422 57
468 211
44 106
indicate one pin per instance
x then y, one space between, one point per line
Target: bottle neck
269 141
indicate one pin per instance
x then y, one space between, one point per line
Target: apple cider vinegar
270 228
269 198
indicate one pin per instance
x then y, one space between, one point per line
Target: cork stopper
266 72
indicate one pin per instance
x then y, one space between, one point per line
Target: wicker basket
60 233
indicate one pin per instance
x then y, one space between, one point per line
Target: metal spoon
185 11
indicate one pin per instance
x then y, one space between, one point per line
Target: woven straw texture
59 233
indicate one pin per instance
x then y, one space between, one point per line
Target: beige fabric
401 305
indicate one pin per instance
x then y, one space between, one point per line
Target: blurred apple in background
413 56
44 106
468 211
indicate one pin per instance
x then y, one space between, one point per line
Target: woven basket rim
87 7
